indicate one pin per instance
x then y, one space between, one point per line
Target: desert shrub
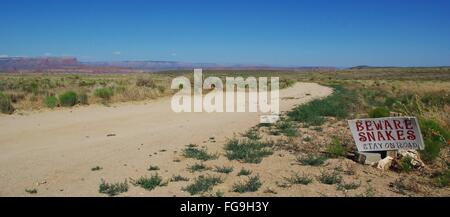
379 112
6 106
30 87
287 128
161 89
312 160
247 151
83 98
435 138
153 168
31 191
150 183
439 99
198 167
51 101
442 179
348 186
286 82
114 188
179 178
96 168
224 169
105 93
330 178
145 82
199 154
252 134
252 185
297 179
68 98
244 172
336 149
203 184
16 97
336 105
405 164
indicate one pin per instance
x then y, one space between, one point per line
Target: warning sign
383 134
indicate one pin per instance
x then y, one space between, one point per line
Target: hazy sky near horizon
283 33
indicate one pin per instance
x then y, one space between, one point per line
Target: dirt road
54 151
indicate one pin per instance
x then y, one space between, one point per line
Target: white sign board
384 134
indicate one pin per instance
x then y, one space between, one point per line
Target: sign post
386 134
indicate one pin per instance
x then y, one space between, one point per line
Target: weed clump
252 185
6 106
330 178
224 169
150 183
51 101
179 178
312 160
442 179
336 105
153 168
198 167
105 93
435 138
336 149
68 99
247 151
199 154
379 112
114 188
203 184
244 172
299 179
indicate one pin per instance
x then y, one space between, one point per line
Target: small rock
367 158
385 164
414 155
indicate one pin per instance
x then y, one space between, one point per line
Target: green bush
113 189
203 184
6 106
150 183
435 138
51 101
330 178
105 93
379 112
336 149
405 165
312 160
68 99
336 105
442 179
247 151
199 154
252 185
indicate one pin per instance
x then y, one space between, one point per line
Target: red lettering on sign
369 126
411 135
400 135
359 126
362 137
397 124
408 124
389 135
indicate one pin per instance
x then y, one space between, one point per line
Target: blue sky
284 33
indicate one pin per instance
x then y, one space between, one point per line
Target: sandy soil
54 151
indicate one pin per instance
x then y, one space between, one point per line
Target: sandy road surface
54 151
